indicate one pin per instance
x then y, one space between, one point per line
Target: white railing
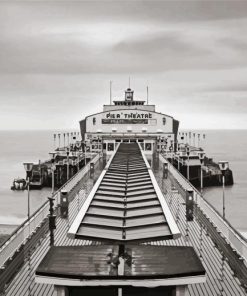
20 235
234 238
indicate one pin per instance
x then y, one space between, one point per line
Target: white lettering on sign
128 115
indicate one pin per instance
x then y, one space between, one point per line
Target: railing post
64 204
52 220
91 169
165 170
189 205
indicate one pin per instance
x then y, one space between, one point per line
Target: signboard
130 115
124 121
127 118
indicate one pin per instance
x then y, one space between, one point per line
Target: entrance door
104 148
158 291
93 291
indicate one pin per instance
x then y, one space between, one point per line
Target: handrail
237 241
20 235
22 224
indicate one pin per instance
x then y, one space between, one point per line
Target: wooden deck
220 277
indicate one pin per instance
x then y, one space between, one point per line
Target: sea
18 147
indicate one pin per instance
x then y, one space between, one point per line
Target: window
110 147
164 120
94 120
148 146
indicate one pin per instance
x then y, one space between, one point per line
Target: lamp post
68 139
71 137
54 142
85 153
64 135
201 155
78 161
67 152
188 159
178 155
224 165
53 167
98 144
171 154
59 141
198 141
28 167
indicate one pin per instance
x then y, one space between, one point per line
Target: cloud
56 57
79 37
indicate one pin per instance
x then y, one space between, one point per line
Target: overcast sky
57 58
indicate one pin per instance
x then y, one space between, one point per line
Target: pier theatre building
129 121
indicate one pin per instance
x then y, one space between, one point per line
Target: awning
145 266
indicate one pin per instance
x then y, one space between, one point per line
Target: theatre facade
127 121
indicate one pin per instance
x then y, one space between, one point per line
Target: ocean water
18 147
21 146
230 145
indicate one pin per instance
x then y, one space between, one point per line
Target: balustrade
232 236
21 234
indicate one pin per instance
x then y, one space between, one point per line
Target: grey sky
57 58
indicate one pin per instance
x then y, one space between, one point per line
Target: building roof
126 203
145 263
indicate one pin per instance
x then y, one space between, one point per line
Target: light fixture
224 166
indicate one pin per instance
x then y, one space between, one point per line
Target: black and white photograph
123 156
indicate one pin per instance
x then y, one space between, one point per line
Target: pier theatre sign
127 118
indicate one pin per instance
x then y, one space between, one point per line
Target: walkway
220 277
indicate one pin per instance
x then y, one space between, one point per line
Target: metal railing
21 234
233 237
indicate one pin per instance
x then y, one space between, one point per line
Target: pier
222 251
127 220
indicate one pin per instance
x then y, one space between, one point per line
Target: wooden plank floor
193 235
196 236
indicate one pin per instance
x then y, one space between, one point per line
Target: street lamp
188 158
28 167
59 141
201 155
64 135
178 159
53 167
98 144
171 154
224 165
178 155
54 144
67 152
78 161
85 153
68 139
